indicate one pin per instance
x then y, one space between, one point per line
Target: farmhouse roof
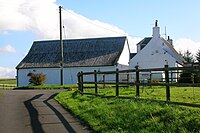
145 41
166 47
77 53
170 49
132 55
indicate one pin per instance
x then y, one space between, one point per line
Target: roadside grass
126 115
44 87
177 94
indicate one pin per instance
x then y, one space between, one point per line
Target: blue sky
23 21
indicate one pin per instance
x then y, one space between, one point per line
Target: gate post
81 81
117 82
137 82
167 83
95 81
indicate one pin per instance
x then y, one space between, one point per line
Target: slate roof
77 53
170 49
132 55
145 41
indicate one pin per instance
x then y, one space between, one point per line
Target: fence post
167 83
95 81
117 82
137 82
81 83
104 80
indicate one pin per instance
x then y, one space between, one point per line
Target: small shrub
37 79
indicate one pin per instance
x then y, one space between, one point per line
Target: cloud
184 44
41 17
7 49
7 72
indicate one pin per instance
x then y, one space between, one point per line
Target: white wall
125 55
70 74
153 56
52 74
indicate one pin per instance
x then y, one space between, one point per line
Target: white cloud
184 44
41 17
7 49
7 72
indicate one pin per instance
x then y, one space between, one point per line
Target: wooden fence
168 80
7 86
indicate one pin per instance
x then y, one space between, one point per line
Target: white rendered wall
52 74
70 74
125 55
153 56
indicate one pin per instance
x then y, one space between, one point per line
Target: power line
85 19
23 5
93 23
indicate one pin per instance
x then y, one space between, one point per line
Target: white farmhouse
101 54
155 52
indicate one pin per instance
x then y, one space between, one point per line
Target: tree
188 56
188 76
198 56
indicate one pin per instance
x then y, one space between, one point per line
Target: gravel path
35 111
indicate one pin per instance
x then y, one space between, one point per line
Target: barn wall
70 74
52 74
125 55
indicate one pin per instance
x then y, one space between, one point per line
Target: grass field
113 115
178 94
8 81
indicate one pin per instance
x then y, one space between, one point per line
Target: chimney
156 30
170 40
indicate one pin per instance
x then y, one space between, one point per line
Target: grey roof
145 41
132 55
77 53
170 49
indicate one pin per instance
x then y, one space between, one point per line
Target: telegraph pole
61 47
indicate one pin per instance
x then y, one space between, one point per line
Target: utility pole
61 47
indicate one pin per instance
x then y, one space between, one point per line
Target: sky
25 21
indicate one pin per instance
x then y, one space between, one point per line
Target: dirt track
27 111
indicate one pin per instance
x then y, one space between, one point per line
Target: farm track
27 111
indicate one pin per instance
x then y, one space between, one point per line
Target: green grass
70 86
178 94
8 81
129 116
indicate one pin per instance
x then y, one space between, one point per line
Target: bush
186 78
37 79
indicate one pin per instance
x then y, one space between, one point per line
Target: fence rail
7 86
171 75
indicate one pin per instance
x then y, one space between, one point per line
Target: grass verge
43 87
126 115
